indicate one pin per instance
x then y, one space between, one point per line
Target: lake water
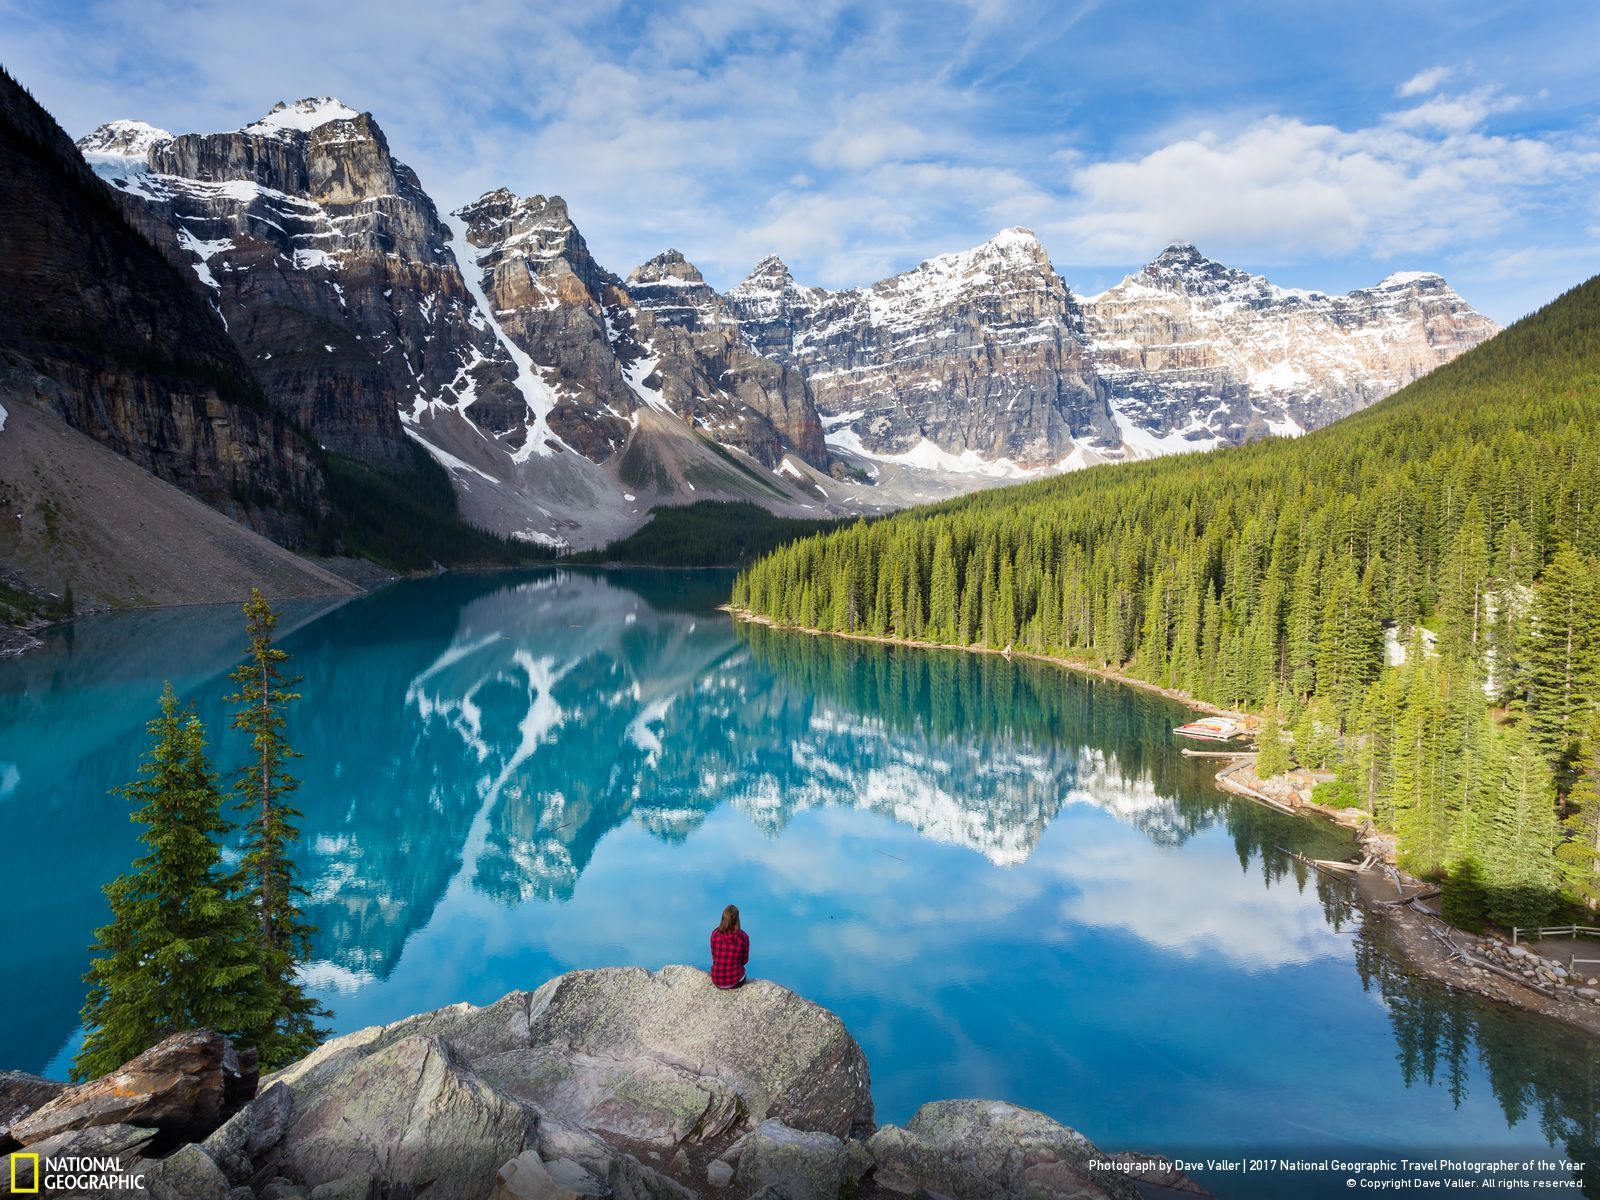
1003 877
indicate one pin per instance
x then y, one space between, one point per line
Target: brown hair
730 919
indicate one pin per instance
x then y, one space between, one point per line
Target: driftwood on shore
1427 894
1327 866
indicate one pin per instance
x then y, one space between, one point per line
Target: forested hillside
1456 526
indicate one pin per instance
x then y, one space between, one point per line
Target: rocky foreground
609 1083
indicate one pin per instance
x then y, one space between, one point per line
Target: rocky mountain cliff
328 264
968 360
1192 352
98 329
565 400
496 341
985 361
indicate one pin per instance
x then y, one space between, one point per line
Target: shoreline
1081 666
1425 945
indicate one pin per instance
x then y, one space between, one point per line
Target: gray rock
527 1177
351 1187
988 1150
410 1114
719 1174
857 1160
187 1174
804 1166
250 1132
100 1141
626 1176
22 1094
185 1086
284 1189
787 1058
641 1098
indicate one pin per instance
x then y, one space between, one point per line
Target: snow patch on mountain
535 392
302 116
116 141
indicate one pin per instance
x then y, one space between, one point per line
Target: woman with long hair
730 950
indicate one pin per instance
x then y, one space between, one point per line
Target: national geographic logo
69 1175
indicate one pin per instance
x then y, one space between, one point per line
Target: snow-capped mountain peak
1016 242
123 139
1182 268
302 116
665 269
1404 279
771 267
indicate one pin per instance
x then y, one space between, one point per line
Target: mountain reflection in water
1003 877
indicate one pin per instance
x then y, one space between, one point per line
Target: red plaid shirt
729 953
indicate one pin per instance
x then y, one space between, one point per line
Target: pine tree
180 951
943 601
267 872
1520 832
1580 851
1273 758
1422 818
1564 661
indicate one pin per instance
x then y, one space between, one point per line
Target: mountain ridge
493 338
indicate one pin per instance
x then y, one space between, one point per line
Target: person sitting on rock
730 950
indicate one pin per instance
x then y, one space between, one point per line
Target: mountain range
564 400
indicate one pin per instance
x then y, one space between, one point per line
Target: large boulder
639 1098
659 1057
528 1177
183 1087
786 1057
625 1175
988 1150
801 1165
20 1095
188 1174
251 1132
407 1114
619 1083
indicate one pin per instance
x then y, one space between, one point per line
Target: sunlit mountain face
1004 877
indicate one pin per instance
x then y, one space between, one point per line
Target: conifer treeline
1458 521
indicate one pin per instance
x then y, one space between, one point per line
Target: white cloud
1455 113
1285 188
854 139
1423 82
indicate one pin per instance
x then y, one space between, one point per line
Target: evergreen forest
1410 598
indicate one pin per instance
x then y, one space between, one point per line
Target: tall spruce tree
180 951
1520 833
1580 852
267 872
1563 661
1273 758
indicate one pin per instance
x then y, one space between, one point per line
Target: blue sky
1323 144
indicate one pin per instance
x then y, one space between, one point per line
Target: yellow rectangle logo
17 1189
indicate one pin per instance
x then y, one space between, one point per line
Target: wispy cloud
857 138
1423 82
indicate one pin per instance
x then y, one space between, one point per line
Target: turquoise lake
1003 877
